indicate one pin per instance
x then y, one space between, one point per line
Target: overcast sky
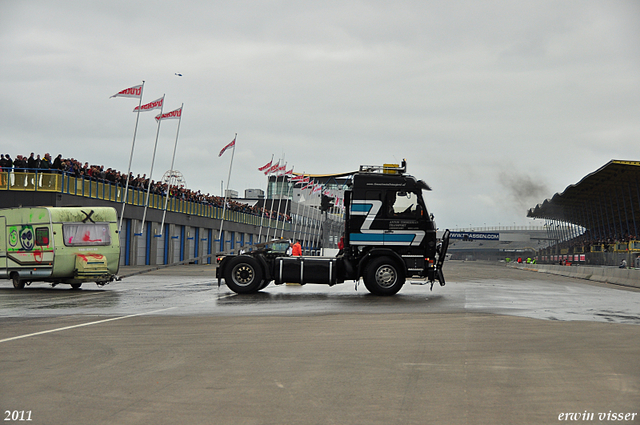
495 104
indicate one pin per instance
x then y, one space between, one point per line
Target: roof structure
607 200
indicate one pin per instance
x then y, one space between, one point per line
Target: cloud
459 88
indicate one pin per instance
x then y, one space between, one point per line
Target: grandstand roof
609 194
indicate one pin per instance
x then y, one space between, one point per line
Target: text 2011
17 415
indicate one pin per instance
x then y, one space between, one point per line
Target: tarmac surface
496 345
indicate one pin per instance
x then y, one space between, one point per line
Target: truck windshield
83 234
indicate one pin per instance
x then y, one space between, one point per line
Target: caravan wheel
17 283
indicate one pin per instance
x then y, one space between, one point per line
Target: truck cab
387 216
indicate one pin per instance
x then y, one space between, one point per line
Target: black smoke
522 191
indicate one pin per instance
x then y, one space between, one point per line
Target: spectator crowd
75 168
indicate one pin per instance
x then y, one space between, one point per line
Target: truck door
401 214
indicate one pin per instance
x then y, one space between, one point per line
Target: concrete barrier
626 277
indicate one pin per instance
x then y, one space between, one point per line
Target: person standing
296 249
32 167
57 164
32 164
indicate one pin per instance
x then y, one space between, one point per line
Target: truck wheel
17 283
76 285
383 277
244 275
265 283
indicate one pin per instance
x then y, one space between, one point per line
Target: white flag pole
171 177
133 144
307 212
271 210
224 205
275 231
319 222
264 204
153 158
303 217
287 202
295 224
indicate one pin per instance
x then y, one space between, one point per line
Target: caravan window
82 234
42 236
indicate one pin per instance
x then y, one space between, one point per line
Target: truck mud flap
306 270
442 253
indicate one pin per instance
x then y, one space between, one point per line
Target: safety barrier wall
62 183
627 277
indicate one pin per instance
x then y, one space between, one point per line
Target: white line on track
83 324
103 321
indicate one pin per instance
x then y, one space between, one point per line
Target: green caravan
69 245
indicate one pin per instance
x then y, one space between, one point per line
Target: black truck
389 236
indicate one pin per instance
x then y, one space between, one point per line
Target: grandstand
596 220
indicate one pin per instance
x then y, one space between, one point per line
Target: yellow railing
621 246
54 182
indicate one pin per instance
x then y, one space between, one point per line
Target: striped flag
265 166
135 91
169 115
230 145
273 168
156 104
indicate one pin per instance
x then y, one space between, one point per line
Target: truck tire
383 277
243 275
265 283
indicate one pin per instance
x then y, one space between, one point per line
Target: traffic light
326 202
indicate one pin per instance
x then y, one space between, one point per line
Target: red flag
169 115
289 173
135 91
156 104
230 145
265 166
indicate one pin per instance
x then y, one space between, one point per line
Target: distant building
254 194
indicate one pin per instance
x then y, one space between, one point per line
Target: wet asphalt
495 345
